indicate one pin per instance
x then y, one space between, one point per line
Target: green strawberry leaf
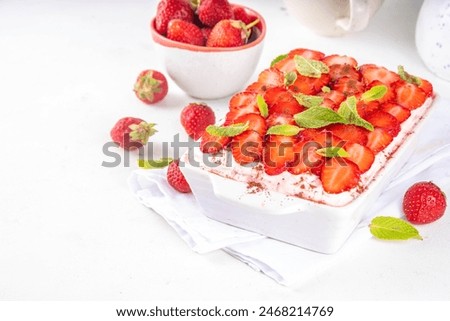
408 77
289 78
347 110
277 59
309 67
308 101
392 228
227 131
262 105
374 93
154 164
332 151
284 130
316 117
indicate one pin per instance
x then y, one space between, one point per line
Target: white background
71 230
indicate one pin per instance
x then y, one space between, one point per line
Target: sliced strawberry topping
348 86
278 151
280 100
388 96
399 112
338 71
247 147
349 133
242 99
307 53
426 86
361 155
384 120
309 85
306 158
409 95
378 139
213 144
271 77
339 175
340 60
366 108
279 119
372 72
256 122
286 65
256 87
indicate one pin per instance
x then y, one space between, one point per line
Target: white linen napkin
285 263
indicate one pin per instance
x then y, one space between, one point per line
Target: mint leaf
277 59
308 101
332 151
289 78
316 117
374 93
347 110
326 89
408 77
392 228
284 130
262 105
309 67
227 131
154 164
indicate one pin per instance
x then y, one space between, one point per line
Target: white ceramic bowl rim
164 41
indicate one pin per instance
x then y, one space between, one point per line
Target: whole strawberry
150 86
184 31
172 9
131 133
195 117
424 202
211 12
176 178
229 33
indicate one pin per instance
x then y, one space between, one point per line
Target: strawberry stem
252 24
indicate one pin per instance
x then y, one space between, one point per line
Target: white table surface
70 229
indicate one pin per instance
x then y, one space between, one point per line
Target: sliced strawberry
278 151
256 87
256 122
361 155
286 65
388 96
271 77
366 108
378 139
329 104
306 158
409 95
339 60
349 133
372 72
399 112
348 86
213 144
279 119
307 53
309 85
339 175
232 115
247 147
336 96
426 86
242 99
326 138
384 120
338 71
280 100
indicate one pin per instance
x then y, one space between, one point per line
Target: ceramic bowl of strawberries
210 47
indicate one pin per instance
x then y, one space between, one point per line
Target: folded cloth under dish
285 263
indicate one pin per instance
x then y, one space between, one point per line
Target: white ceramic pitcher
333 17
433 36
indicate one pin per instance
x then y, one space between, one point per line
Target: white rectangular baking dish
311 225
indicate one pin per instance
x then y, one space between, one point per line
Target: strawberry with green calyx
186 32
424 202
230 33
131 132
172 9
210 12
151 86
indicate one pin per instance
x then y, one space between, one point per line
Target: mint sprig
392 228
227 131
154 163
317 117
262 105
308 101
278 58
332 151
374 93
408 77
289 78
310 67
347 110
284 130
